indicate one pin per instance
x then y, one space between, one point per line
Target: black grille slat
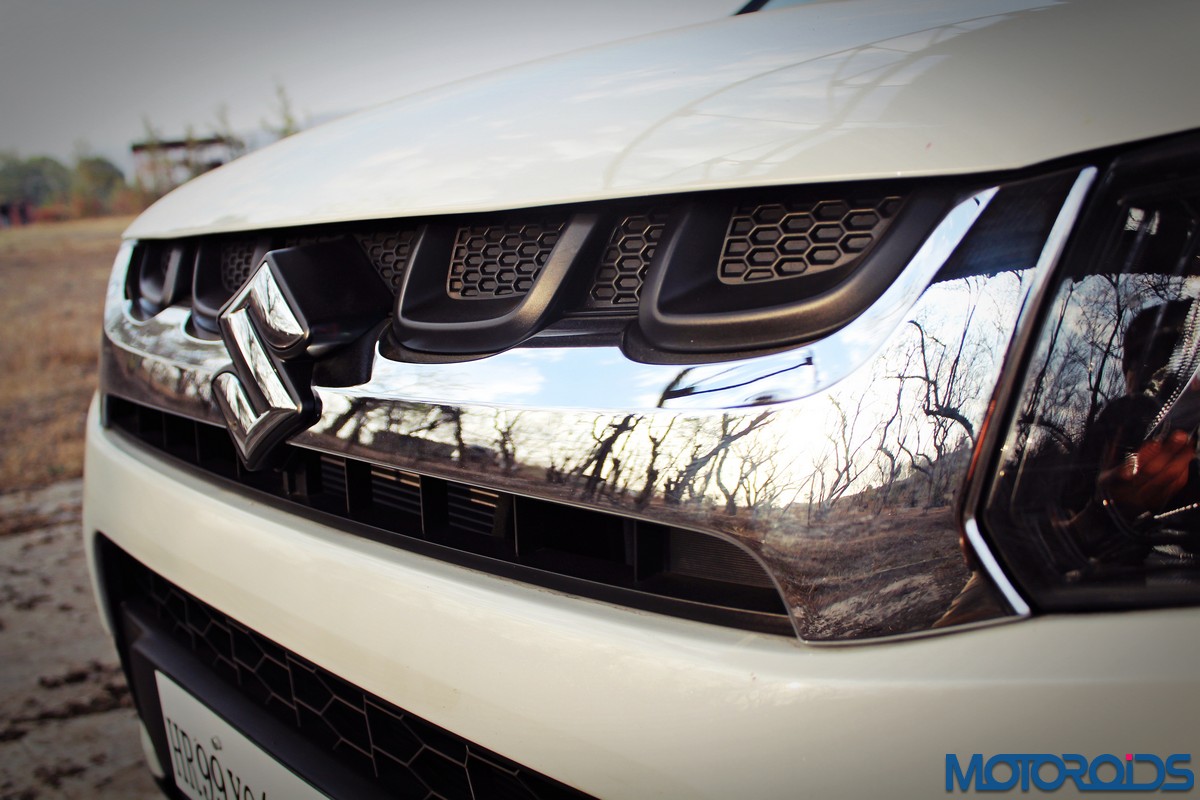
471 510
403 754
333 480
577 549
396 490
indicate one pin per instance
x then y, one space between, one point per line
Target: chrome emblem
301 303
258 326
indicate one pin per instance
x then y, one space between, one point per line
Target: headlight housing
1094 501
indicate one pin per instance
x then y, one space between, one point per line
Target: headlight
1095 499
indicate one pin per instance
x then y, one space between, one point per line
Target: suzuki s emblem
300 305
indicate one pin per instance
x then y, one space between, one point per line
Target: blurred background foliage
41 188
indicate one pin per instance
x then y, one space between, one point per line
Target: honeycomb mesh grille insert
774 241
491 261
237 262
388 251
623 266
406 755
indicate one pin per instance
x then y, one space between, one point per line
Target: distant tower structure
161 165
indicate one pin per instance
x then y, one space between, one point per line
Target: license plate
213 761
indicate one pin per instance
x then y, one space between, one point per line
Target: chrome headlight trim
1026 330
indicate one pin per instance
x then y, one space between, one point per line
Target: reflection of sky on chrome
872 390
495 380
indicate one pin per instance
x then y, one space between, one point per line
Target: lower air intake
404 755
578 550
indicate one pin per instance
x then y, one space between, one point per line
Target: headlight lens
1095 500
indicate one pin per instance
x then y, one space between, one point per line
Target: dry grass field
67 727
52 279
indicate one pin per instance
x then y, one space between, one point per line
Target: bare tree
893 435
730 495
223 128
757 467
285 123
947 385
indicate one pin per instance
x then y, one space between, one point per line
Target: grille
396 491
586 552
405 754
470 509
388 251
783 240
499 260
237 262
628 254
743 238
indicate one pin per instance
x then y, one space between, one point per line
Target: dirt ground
67 726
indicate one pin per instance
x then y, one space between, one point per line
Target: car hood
822 92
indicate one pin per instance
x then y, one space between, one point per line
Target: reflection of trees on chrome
685 480
899 435
506 424
916 431
605 438
842 463
856 480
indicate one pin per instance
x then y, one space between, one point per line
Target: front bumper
621 703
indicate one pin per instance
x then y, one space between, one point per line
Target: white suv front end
628 424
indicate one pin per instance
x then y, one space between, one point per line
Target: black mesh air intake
404 755
623 268
237 263
492 261
783 240
699 269
388 251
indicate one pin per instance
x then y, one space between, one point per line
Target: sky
85 76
